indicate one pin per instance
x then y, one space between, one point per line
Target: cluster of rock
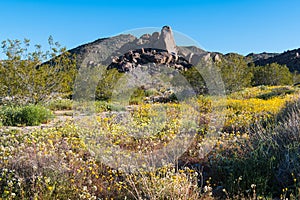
143 56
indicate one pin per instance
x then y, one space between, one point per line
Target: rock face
163 41
166 40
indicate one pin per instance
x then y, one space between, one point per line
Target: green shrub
271 74
30 115
60 104
103 106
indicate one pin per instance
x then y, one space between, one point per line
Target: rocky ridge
289 58
108 51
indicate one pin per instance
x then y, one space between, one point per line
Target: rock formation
157 57
166 40
158 49
163 41
106 51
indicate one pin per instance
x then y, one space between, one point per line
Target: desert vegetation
252 152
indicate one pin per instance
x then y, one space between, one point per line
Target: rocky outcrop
166 40
163 41
157 57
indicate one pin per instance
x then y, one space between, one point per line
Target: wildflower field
252 152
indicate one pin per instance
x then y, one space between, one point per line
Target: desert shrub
286 136
196 81
60 104
164 183
242 167
137 96
30 115
271 74
103 106
10 116
235 73
106 85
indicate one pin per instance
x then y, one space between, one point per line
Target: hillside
290 58
253 57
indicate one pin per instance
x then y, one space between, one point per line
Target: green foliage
60 104
104 106
106 84
195 80
235 73
26 79
30 115
296 78
272 74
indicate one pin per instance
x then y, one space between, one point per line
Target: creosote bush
60 104
30 115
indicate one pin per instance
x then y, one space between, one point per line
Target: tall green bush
235 73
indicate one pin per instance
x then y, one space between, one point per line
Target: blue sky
242 26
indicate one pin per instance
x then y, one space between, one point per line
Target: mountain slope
289 58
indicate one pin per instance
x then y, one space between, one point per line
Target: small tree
235 72
107 83
196 80
25 77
